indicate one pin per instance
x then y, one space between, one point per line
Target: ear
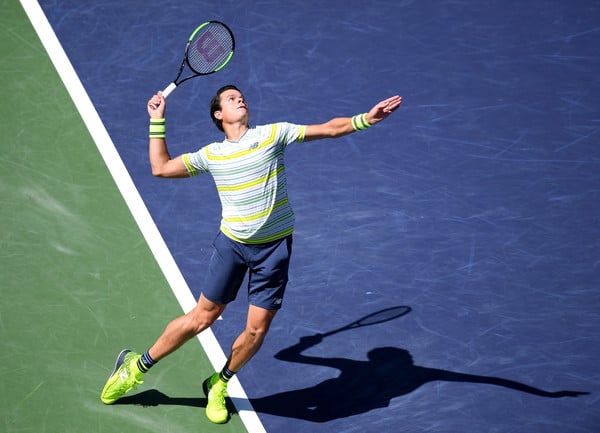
218 115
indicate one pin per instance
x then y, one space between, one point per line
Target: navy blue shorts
267 266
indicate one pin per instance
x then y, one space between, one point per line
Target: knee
196 325
258 323
198 320
257 332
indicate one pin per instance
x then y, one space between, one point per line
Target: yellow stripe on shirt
252 183
255 216
190 168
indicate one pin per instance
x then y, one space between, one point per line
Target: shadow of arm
294 353
506 383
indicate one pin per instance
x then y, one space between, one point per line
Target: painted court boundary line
135 203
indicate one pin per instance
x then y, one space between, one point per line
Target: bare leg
249 341
186 327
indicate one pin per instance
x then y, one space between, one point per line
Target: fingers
156 101
392 103
384 109
388 105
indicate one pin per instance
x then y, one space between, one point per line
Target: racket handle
169 89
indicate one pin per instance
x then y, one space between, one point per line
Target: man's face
233 107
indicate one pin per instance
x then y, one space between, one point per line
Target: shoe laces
131 379
219 391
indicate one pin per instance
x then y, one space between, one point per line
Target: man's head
216 104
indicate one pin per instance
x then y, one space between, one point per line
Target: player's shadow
153 397
362 386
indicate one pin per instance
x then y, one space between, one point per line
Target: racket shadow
381 316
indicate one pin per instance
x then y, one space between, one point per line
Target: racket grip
169 89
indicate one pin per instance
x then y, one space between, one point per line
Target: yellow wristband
359 122
157 128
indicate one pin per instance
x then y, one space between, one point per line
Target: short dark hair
215 104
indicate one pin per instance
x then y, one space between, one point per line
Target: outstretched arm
160 159
341 126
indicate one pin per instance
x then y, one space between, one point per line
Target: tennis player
255 235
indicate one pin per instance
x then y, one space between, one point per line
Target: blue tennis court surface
476 204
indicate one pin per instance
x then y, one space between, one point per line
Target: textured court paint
79 281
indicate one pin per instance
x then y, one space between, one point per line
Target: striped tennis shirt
250 177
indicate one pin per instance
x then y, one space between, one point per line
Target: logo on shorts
277 301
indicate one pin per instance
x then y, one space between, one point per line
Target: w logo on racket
209 47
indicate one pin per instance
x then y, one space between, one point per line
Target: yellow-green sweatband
359 122
158 128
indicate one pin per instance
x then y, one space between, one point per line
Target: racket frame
185 62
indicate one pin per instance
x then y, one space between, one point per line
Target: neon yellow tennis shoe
124 377
216 391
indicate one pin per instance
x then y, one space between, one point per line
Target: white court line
135 203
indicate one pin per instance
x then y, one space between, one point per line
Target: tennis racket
380 316
209 48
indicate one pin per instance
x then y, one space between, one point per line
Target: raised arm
160 159
294 354
341 126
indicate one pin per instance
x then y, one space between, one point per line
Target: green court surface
79 282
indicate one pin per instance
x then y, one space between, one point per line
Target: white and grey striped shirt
251 181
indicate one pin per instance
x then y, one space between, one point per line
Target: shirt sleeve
195 162
290 132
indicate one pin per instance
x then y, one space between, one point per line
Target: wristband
157 128
359 122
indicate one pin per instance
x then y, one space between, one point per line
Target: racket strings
210 49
